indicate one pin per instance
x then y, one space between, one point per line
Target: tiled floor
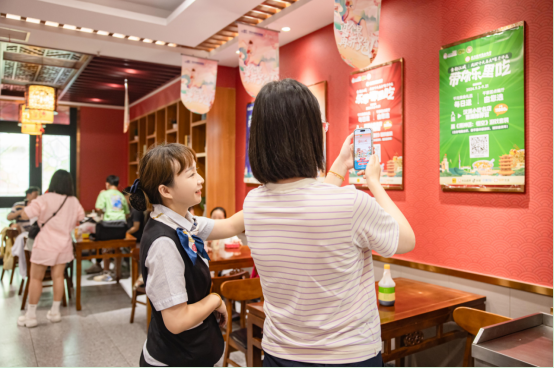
98 335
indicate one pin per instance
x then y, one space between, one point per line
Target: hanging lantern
31 129
39 97
36 116
29 126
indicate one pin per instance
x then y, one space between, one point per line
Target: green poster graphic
482 136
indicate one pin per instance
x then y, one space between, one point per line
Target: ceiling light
285 29
102 33
147 40
118 35
33 20
171 45
134 38
86 30
160 43
52 24
238 52
14 17
67 26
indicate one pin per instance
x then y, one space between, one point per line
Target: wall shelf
174 123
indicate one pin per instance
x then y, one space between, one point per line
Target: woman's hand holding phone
372 172
343 163
346 155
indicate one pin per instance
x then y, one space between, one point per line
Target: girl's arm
227 228
182 317
343 163
372 173
134 228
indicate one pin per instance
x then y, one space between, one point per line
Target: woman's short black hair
219 209
286 136
61 183
113 180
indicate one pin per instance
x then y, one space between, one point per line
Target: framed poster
377 102
248 176
482 112
320 92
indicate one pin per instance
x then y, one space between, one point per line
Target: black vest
200 346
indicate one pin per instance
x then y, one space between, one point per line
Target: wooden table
222 260
418 306
87 244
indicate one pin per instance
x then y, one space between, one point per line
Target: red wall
103 152
504 235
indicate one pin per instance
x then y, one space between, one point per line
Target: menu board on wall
376 102
248 176
482 112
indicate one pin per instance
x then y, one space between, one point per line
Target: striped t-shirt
311 243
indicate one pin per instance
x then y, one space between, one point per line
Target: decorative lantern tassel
38 150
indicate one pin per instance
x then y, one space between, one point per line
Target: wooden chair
10 234
236 274
47 277
472 320
243 291
137 289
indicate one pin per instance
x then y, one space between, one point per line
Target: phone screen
363 147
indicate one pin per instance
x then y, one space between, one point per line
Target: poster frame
484 188
401 61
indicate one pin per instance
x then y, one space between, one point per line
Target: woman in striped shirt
312 242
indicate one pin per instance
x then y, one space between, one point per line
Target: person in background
15 214
136 221
112 203
315 237
218 213
53 245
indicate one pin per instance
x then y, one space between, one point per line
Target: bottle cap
387 267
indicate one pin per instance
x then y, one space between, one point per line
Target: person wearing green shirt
112 203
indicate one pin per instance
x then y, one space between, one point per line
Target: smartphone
363 147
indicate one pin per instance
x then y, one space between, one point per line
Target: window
3 217
14 164
18 169
55 156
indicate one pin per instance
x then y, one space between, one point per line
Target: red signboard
376 102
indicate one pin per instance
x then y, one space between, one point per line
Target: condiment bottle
386 288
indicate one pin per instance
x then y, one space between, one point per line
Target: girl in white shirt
174 262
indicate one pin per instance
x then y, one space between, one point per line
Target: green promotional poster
482 110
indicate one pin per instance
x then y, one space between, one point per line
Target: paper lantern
39 97
31 129
32 116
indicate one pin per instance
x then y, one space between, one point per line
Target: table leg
117 265
397 345
78 280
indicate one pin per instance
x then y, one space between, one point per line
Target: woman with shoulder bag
58 212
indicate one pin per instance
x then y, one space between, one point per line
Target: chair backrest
218 281
472 320
242 290
135 257
11 234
